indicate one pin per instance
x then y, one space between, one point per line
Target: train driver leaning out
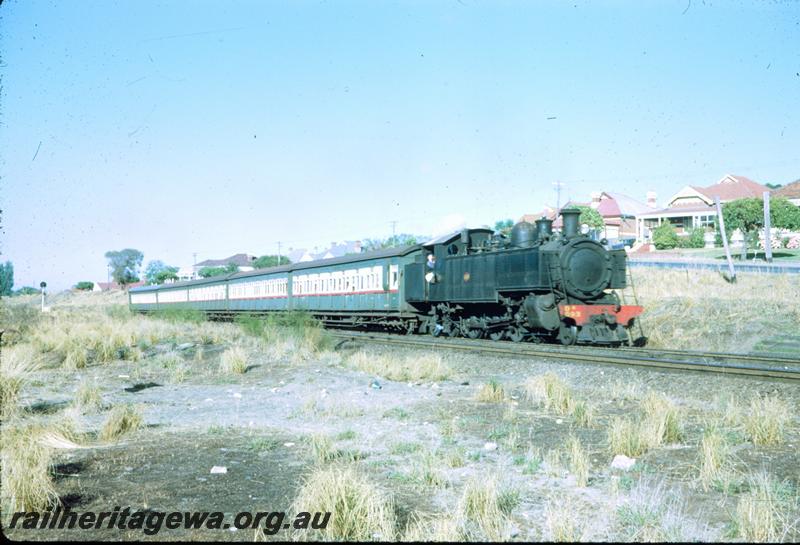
430 276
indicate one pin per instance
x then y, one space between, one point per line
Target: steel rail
515 349
727 356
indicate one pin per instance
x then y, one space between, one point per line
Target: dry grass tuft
484 506
713 458
549 391
626 437
26 464
761 514
414 367
427 471
659 422
233 361
434 529
662 418
582 413
491 392
766 421
88 397
121 420
360 511
561 523
16 364
578 462
653 513
322 447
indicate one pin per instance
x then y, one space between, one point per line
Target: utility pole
558 186
279 253
394 224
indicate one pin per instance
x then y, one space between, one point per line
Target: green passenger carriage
537 286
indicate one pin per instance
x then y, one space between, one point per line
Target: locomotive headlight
586 268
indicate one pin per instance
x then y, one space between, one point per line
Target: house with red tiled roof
618 211
789 191
693 206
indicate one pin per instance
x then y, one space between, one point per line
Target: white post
725 239
42 286
767 239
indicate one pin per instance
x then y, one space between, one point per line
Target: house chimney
651 199
595 199
357 246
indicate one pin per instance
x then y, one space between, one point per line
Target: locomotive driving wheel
497 335
474 333
568 334
516 334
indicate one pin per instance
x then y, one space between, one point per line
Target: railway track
731 364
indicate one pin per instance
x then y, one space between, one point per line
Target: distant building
617 210
186 273
244 262
301 255
693 206
789 191
619 213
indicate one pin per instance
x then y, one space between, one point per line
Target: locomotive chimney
569 218
544 228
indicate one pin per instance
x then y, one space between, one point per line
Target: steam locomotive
537 286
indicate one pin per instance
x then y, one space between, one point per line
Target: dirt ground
421 441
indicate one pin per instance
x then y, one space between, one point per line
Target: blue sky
218 128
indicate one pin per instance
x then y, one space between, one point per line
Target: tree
783 214
591 217
748 214
774 186
27 290
84 285
157 272
208 272
504 226
404 239
665 237
270 261
125 265
6 279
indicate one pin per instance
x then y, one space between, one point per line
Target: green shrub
665 237
696 238
84 286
